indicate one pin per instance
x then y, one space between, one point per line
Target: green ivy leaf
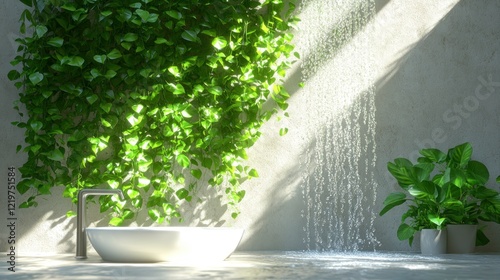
110 121
76 61
106 13
56 155
56 42
143 182
143 14
136 5
207 163
124 15
210 32
128 214
137 108
160 41
132 139
13 75
183 160
36 126
114 54
110 74
190 35
219 43
186 114
176 89
130 37
137 202
215 90
174 14
241 195
36 78
41 30
133 193
70 214
154 214
182 193
174 70
253 173
196 173
92 98
95 73
71 89
115 221
69 7
126 45
100 58
152 18
24 185
106 107
283 131
42 190
133 120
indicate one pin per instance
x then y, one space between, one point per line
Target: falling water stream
339 187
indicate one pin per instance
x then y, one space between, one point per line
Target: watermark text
11 219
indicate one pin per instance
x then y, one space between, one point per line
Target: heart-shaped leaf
36 78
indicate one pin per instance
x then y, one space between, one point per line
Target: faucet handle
81 238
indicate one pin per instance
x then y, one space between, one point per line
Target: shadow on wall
442 92
445 90
285 220
328 47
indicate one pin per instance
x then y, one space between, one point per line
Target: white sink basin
164 244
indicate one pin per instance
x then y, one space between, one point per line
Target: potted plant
448 189
466 198
425 212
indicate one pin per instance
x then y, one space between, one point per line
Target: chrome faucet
81 238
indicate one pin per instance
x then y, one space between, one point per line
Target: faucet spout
81 238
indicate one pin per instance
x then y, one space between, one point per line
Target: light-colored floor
266 265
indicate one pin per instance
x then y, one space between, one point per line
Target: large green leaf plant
153 97
440 189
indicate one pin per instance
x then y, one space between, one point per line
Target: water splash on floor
339 186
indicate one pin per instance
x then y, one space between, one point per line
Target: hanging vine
152 97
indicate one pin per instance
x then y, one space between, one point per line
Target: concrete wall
436 68
439 86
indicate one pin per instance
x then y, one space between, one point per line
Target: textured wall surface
435 66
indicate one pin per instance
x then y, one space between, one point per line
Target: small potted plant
448 189
425 212
466 198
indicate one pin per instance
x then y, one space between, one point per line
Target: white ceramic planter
461 239
433 241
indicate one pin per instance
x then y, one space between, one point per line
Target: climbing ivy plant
153 97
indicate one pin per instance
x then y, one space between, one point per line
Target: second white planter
433 241
461 239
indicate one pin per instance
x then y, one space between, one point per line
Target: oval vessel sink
164 244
